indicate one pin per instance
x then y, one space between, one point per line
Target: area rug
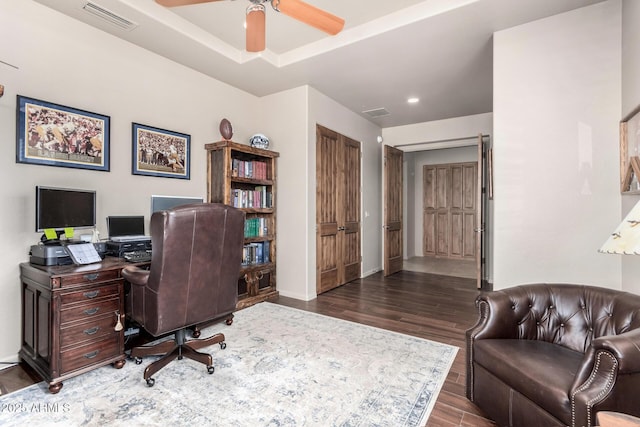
281 367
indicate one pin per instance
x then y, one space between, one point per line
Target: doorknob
341 228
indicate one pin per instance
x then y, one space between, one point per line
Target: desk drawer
90 294
89 277
91 310
88 331
89 354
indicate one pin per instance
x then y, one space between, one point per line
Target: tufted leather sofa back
568 315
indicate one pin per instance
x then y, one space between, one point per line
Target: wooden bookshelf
245 177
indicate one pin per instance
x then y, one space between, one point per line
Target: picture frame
160 152
51 134
630 152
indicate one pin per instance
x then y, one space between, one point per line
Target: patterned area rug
281 367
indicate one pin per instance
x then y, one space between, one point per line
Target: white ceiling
437 50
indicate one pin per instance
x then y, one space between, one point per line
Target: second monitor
160 203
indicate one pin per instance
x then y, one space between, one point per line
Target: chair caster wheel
150 382
138 360
223 345
210 369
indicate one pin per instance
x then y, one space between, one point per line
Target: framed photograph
54 135
160 152
630 152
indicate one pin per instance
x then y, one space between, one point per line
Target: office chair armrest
135 275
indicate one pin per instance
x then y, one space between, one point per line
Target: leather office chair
195 263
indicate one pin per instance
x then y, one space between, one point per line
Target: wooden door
481 194
449 210
338 254
350 220
392 210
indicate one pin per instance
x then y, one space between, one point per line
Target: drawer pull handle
93 310
91 294
92 331
91 277
92 354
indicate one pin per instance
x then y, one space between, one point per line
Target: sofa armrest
625 347
607 358
496 318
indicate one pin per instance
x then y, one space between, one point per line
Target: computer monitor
60 208
161 203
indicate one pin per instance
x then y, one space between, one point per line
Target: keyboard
132 238
137 256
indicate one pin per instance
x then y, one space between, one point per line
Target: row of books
256 253
249 169
257 198
256 227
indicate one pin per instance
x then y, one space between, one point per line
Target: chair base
176 349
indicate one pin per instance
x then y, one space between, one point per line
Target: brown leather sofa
554 355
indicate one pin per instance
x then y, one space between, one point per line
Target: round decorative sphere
259 141
225 129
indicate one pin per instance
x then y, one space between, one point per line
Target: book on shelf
254 169
256 253
259 197
256 227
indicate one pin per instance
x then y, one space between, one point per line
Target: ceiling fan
296 9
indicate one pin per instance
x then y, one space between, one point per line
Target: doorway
415 158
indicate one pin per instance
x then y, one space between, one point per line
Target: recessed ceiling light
413 100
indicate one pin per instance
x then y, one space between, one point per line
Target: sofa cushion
541 371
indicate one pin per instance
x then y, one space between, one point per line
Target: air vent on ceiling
109 16
377 112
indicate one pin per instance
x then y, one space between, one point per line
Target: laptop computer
126 228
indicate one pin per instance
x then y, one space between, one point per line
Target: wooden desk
69 318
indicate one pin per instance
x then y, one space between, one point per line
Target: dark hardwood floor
439 308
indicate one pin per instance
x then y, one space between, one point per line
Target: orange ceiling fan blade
310 15
255 35
174 3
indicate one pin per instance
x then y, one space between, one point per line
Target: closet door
338 254
449 214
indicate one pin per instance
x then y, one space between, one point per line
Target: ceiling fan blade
310 15
255 35
174 3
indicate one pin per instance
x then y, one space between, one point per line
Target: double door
338 252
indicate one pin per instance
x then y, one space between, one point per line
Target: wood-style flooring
430 306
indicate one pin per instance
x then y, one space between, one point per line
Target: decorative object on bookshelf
259 141
245 177
226 130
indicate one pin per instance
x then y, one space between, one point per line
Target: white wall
285 122
556 113
630 99
63 61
